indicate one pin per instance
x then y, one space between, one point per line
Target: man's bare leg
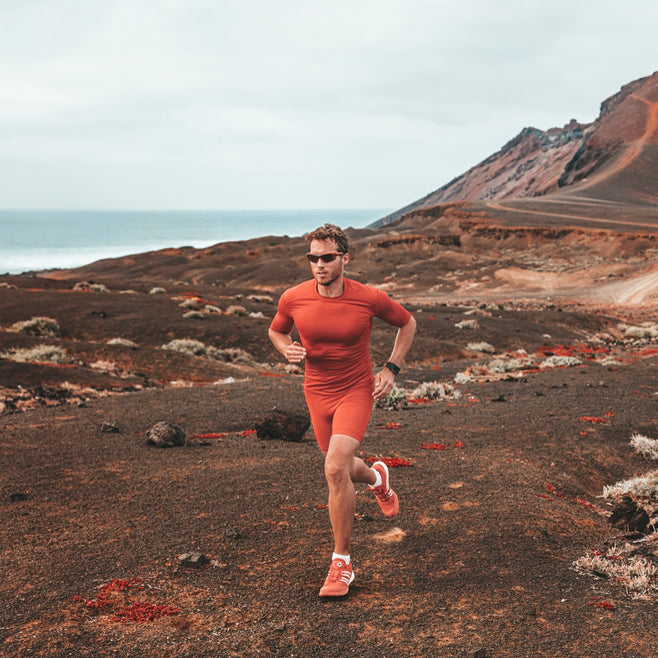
342 468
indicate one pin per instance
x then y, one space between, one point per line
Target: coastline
40 240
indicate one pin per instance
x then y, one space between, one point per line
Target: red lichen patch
440 446
600 602
650 351
570 350
134 612
140 612
116 585
222 435
418 400
593 419
391 462
554 494
211 435
390 426
271 374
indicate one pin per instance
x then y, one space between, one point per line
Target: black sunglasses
325 258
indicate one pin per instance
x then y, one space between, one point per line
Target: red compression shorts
339 413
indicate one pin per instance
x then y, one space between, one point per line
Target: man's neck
334 289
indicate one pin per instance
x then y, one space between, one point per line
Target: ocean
32 240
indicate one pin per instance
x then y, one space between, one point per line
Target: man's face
326 273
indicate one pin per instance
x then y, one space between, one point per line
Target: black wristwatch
392 367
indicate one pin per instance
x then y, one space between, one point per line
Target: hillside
619 149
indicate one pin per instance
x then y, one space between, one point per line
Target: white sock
378 481
344 558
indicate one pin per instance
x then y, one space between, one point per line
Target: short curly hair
330 232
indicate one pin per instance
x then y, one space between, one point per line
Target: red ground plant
136 612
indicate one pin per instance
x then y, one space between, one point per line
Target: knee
335 471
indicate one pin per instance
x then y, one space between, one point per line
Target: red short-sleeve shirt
336 330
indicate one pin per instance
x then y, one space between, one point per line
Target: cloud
296 103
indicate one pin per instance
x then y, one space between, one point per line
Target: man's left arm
385 378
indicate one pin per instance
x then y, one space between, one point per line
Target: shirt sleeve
391 311
282 321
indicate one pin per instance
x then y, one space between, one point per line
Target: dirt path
634 291
633 150
510 208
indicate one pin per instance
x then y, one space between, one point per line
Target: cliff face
536 163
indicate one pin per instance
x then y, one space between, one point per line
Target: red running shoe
339 579
386 497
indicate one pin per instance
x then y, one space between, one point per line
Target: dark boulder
165 435
628 515
284 426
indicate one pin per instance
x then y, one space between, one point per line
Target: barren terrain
528 401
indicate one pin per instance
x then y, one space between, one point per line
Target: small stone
193 559
110 428
481 653
165 435
18 496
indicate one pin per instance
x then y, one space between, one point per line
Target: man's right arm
292 350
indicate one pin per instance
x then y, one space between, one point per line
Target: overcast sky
269 104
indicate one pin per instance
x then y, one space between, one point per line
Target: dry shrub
103 366
635 573
396 399
86 286
37 326
186 346
435 391
38 354
645 446
481 347
235 309
197 348
643 331
157 290
557 361
193 315
644 486
263 299
463 378
523 360
467 324
192 303
123 342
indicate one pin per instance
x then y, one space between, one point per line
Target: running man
333 316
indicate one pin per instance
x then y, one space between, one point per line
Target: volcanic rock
110 428
284 426
165 435
629 515
193 559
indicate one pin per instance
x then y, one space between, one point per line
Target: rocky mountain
536 163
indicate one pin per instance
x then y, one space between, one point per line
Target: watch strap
392 367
